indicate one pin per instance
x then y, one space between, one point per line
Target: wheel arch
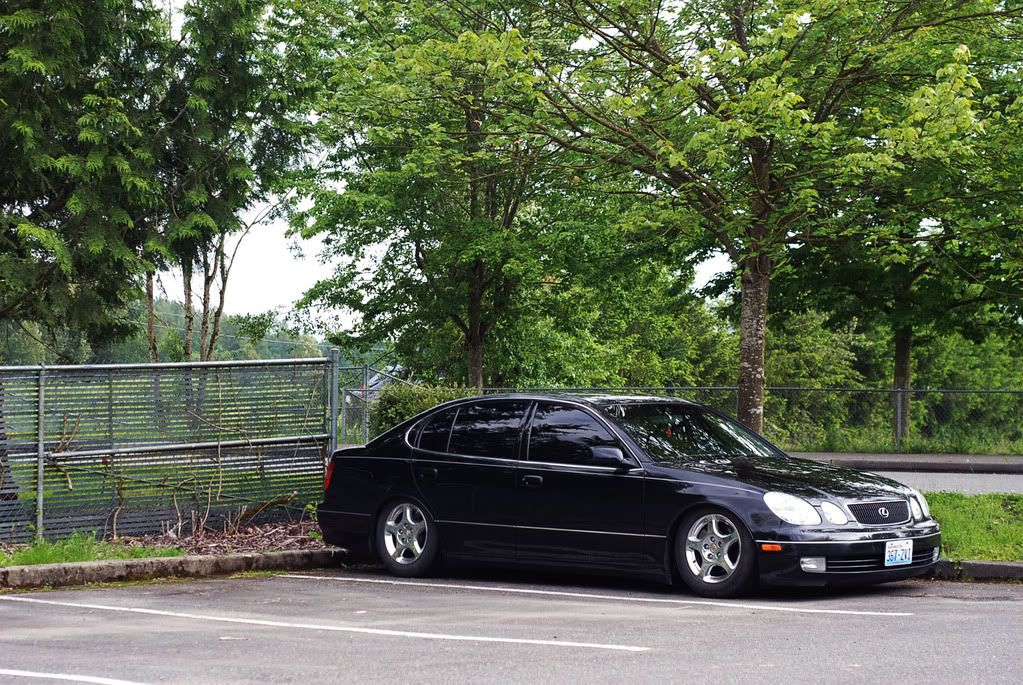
670 570
386 502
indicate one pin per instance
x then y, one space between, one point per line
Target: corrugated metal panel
136 448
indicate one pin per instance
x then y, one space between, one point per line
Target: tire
714 553
406 538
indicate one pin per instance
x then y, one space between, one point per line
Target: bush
398 402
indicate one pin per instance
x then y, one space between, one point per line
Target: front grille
872 514
921 557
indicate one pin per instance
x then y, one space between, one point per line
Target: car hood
802 477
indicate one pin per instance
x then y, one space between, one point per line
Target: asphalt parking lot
336 626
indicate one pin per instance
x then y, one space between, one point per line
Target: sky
268 272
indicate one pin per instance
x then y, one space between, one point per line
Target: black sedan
651 486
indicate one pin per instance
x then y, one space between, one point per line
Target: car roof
597 400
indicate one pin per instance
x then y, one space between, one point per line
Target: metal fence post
344 416
335 362
365 403
40 449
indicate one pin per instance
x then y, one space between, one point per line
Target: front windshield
670 433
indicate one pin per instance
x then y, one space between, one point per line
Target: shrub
398 402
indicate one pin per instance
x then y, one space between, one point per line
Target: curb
83 572
978 570
1013 465
935 466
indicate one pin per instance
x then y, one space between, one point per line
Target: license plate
898 552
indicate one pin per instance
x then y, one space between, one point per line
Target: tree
77 83
234 126
741 115
939 256
430 179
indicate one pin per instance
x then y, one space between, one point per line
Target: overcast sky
267 273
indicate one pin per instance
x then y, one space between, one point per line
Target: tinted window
671 433
564 435
435 433
488 429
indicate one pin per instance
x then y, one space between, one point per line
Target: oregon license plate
898 552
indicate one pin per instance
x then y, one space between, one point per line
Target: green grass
982 527
81 547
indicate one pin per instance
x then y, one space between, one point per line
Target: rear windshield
670 433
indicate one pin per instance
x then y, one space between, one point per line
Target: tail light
329 475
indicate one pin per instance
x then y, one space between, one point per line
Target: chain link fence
800 419
360 387
153 448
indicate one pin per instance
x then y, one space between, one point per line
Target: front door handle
532 481
428 474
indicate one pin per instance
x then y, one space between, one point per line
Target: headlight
921 502
914 506
834 514
792 509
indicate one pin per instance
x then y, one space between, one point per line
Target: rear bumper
348 530
847 561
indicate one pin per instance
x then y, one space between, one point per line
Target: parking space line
66 676
326 627
593 595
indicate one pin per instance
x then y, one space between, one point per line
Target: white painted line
590 595
66 676
327 627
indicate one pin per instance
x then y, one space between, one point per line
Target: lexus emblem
883 511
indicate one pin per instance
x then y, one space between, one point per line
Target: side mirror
609 456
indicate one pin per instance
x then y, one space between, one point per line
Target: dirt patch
268 537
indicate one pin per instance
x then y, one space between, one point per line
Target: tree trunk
475 344
903 369
186 275
218 315
208 273
756 285
474 332
154 353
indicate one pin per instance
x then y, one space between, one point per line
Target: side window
562 434
488 429
435 433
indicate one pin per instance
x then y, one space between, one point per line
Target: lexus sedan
651 486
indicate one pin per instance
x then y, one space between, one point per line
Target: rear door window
435 434
563 434
488 429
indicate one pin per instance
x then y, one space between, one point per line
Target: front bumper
855 557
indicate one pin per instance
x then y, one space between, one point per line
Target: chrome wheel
405 533
713 548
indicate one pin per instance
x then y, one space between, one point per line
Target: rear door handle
532 481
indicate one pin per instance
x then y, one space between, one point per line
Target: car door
570 509
464 465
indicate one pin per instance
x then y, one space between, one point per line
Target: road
968 483
362 627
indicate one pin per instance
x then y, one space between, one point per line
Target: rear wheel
714 553
406 538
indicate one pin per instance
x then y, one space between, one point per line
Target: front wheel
406 539
714 553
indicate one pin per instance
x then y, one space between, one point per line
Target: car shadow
574 582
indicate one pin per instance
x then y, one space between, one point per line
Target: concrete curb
920 463
978 570
83 572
